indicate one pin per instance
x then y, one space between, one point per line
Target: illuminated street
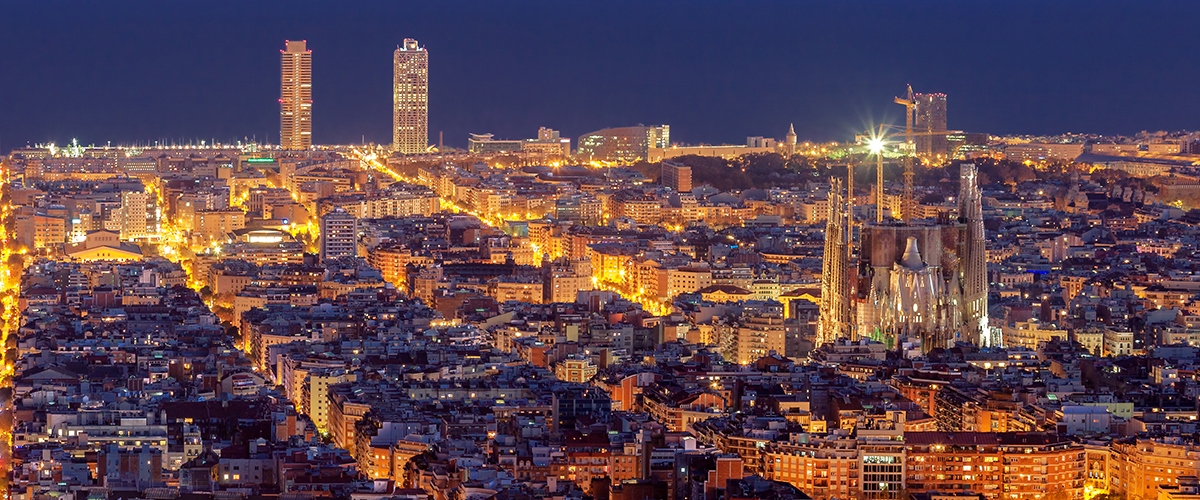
10 314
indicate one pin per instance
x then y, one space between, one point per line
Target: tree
16 264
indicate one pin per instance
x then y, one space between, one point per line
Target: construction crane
910 108
876 140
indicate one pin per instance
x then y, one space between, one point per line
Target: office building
676 176
338 230
549 143
410 98
966 145
1037 151
930 117
295 96
486 144
624 144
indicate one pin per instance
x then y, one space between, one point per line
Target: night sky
715 71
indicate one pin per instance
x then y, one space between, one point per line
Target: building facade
623 144
338 230
676 176
410 98
295 96
931 117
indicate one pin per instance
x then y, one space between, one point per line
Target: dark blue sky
715 71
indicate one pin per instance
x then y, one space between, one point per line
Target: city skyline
1020 89
911 295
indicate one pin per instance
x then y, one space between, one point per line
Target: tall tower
338 235
834 322
295 96
789 141
410 98
931 117
974 266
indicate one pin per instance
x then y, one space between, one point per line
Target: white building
139 216
338 235
1085 420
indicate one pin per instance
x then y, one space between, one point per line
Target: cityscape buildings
623 144
295 96
631 320
410 98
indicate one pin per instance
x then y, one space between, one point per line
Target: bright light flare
875 145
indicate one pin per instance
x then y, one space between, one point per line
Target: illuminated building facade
212 226
139 216
759 334
789 141
295 96
338 230
410 98
1137 466
624 144
931 117
677 176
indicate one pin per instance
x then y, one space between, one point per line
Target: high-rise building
676 176
295 96
338 230
930 117
410 98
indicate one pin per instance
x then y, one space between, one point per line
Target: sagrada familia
906 280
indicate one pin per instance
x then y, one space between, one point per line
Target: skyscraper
930 117
338 230
410 98
295 96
